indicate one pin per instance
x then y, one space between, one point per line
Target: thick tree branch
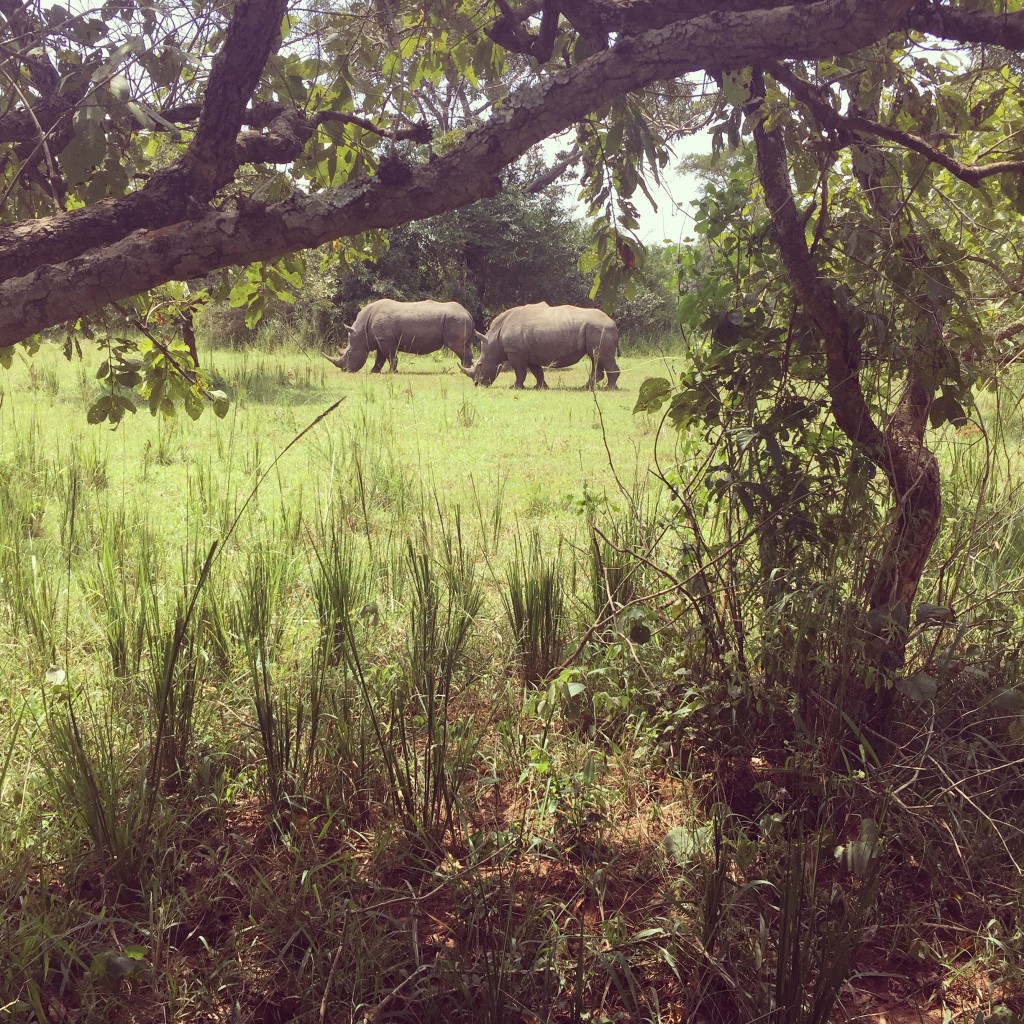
964 25
958 24
172 194
254 32
117 258
633 16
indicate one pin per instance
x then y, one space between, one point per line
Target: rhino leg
393 360
378 362
520 371
538 372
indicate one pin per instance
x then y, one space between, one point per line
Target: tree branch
899 451
964 25
121 250
842 353
254 32
553 173
846 126
171 195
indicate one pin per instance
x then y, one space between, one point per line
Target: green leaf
88 148
859 855
156 395
221 405
136 44
119 89
654 393
241 294
736 86
946 409
640 633
99 410
684 843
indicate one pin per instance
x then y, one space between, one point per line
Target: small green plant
425 752
96 769
535 607
467 414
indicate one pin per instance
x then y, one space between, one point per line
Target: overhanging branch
116 257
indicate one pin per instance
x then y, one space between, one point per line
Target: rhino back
552 335
417 327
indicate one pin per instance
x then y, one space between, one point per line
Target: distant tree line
508 250
517 247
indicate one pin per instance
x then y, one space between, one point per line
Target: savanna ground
432 719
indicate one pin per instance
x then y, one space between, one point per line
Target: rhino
539 335
388 327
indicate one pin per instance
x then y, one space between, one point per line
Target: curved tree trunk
898 449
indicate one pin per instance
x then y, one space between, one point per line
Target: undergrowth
360 757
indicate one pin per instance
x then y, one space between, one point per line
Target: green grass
286 740
423 430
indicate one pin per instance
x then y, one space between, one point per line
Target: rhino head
353 356
485 369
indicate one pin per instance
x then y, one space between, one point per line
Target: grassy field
287 740
424 430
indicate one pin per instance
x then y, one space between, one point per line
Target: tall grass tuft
534 599
621 545
31 591
288 710
425 752
95 768
339 584
120 583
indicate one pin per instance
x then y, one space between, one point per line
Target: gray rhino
532 337
388 327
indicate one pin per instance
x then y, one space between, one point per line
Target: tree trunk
898 450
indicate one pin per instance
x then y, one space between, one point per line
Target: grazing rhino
532 337
388 327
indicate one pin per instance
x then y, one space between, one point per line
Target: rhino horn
348 327
468 372
332 360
